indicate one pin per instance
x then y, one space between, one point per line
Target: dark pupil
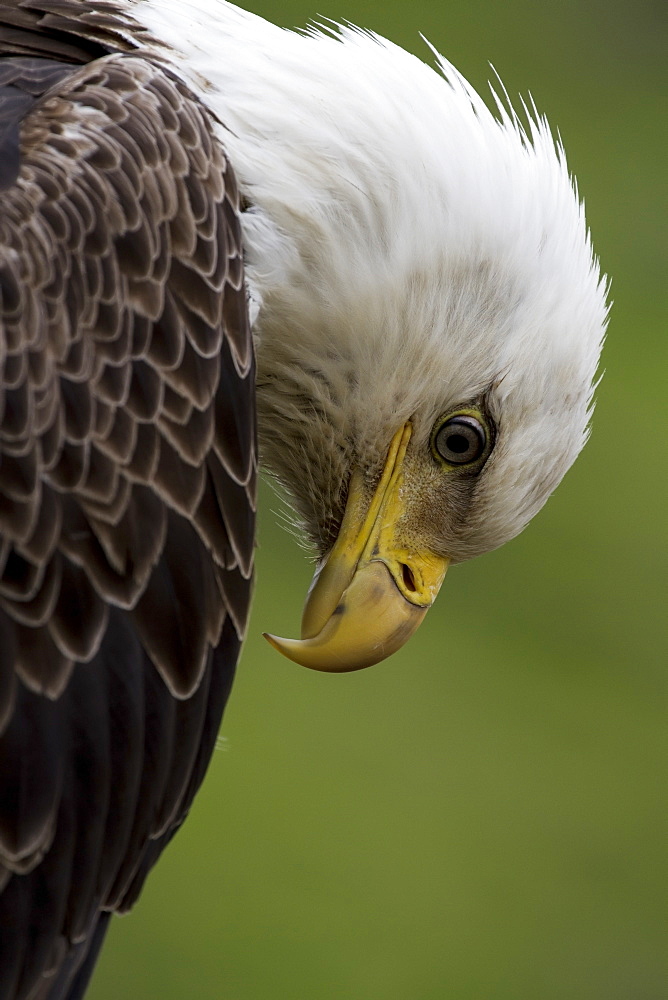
457 443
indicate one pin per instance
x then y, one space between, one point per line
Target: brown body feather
127 475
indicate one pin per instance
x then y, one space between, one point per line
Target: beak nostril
408 578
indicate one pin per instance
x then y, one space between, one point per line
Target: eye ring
460 440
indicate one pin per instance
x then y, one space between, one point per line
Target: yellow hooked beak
372 590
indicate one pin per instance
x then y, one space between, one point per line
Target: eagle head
428 314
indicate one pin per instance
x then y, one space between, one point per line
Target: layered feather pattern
127 425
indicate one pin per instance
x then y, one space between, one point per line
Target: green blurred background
482 816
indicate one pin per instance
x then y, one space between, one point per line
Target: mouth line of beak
357 541
373 588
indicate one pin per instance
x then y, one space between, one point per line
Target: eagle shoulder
127 497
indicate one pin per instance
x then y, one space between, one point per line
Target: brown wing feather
127 450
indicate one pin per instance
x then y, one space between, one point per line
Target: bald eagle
207 221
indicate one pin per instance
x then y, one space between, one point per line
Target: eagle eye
460 440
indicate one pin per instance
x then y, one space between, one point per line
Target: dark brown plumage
127 476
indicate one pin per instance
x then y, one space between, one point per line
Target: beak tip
273 640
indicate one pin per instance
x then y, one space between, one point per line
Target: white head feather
407 253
